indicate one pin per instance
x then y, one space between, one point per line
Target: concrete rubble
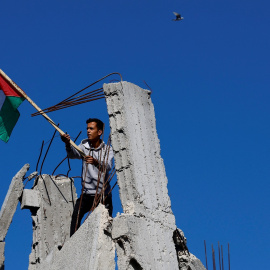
145 234
9 207
91 248
51 203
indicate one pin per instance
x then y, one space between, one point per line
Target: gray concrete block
11 201
144 243
2 255
133 129
30 199
51 221
90 248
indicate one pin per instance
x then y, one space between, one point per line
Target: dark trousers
87 203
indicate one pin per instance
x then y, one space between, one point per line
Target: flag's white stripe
2 98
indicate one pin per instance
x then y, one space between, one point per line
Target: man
96 166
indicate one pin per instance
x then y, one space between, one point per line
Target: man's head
94 129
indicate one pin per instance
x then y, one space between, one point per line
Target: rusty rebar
72 100
93 208
111 190
47 151
219 256
58 189
66 158
67 105
105 167
205 254
104 187
103 171
213 257
80 205
149 88
222 257
40 153
59 165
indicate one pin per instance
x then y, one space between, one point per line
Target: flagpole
39 110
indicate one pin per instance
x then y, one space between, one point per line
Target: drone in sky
177 17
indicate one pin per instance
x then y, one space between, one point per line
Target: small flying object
178 17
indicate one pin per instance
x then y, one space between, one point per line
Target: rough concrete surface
11 201
51 221
144 233
30 199
90 248
186 260
140 169
143 243
2 255
190 262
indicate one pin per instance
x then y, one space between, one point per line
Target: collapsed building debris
145 234
51 203
91 247
9 207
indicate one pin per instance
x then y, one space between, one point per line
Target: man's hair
99 123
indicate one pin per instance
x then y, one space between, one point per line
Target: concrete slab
51 221
2 255
90 248
30 199
11 201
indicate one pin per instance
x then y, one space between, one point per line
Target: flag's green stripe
9 116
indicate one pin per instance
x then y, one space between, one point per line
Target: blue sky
210 79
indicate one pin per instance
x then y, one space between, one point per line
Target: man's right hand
66 139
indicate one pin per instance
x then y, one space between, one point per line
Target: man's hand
66 139
91 160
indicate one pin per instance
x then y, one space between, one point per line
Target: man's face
93 133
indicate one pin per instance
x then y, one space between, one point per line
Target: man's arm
71 151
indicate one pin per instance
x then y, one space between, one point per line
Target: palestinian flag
10 100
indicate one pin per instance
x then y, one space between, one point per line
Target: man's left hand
91 160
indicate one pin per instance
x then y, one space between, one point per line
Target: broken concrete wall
11 201
51 202
2 255
90 248
186 260
9 207
140 169
144 233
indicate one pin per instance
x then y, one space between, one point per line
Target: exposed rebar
222 257
213 257
40 153
47 151
219 256
205 254
72 100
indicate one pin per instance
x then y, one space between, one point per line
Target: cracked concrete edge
90 248
143 244
2 255
51 210
139 167
11 201
190 262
